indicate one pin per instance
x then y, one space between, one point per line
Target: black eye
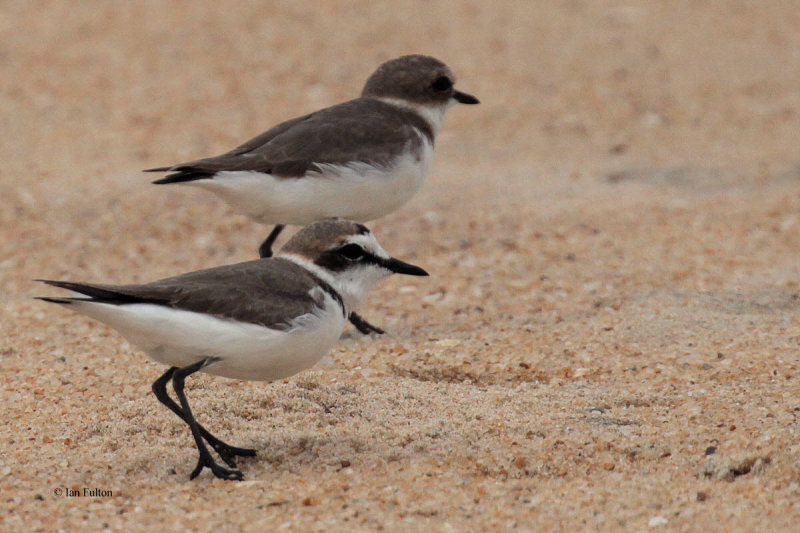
442 84
351 252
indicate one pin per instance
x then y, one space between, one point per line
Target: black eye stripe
334 261
352 251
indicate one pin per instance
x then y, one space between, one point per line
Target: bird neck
347 298
432 114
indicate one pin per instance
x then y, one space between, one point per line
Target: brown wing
269 292
359 130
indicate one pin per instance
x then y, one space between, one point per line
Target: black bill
401 267
464 98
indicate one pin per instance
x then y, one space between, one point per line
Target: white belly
245 351
356 191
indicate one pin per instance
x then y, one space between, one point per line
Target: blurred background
610 332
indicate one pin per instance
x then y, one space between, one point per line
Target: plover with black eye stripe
358 160
260 320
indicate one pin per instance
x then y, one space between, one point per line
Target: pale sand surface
612 235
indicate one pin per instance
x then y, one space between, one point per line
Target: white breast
245 351
356 191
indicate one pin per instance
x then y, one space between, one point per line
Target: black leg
205 460
265 250
225 451
363 326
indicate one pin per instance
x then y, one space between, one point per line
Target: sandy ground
609 339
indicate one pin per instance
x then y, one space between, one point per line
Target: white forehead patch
369 243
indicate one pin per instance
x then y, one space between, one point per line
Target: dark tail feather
97 294
181 175
56 300
83 288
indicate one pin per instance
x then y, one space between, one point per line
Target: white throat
432 114
352 285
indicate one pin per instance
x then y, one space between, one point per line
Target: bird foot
216 469
229 453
